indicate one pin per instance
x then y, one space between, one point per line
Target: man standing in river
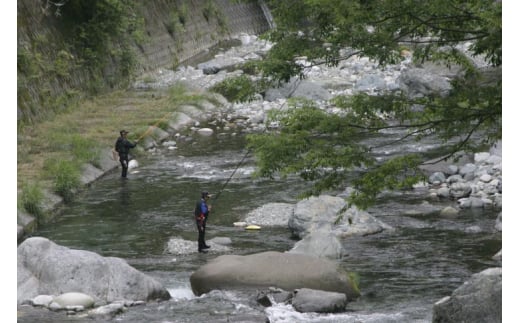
201 216
123 146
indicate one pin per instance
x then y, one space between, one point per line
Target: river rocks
426 79
437 178
271 214
312 90
27 223
42 300
319 243
329 212
309 300
180 246
356 222
133 164
449 211
477 184
498 222
272 269
477 300
205 132
313 212
45 268
459 190
304 300
74 299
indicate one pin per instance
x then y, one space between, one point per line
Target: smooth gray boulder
45 268
477 300
310 300
287 271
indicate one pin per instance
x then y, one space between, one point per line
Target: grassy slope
99 121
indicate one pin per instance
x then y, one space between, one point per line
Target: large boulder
287 271
314 212
330 213
45 268
477 300
356 222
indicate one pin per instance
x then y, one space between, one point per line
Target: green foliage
236 89
211 11
84 151
92 38
176 22
31 199
354 281
65 175
326 149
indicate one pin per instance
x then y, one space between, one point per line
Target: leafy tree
325 148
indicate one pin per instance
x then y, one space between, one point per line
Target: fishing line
249 149
150 128
115 154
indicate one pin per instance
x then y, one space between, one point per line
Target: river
402 273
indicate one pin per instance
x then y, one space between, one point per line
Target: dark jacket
123 146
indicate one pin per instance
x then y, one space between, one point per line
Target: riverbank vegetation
72 50
51 153
75 61
324 148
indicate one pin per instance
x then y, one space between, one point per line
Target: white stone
481 157
133 164
74 299
449 211
206 132
42 300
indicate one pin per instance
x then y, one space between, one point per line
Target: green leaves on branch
328 149
395 174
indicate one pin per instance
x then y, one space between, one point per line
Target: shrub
84 151
65 175
31 199
236 89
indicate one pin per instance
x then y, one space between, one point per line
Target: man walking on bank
123 146
201 216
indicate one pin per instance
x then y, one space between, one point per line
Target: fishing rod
150 128
234 171
115 154
249 149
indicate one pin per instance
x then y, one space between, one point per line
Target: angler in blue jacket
201 216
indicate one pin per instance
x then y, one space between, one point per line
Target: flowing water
401 273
